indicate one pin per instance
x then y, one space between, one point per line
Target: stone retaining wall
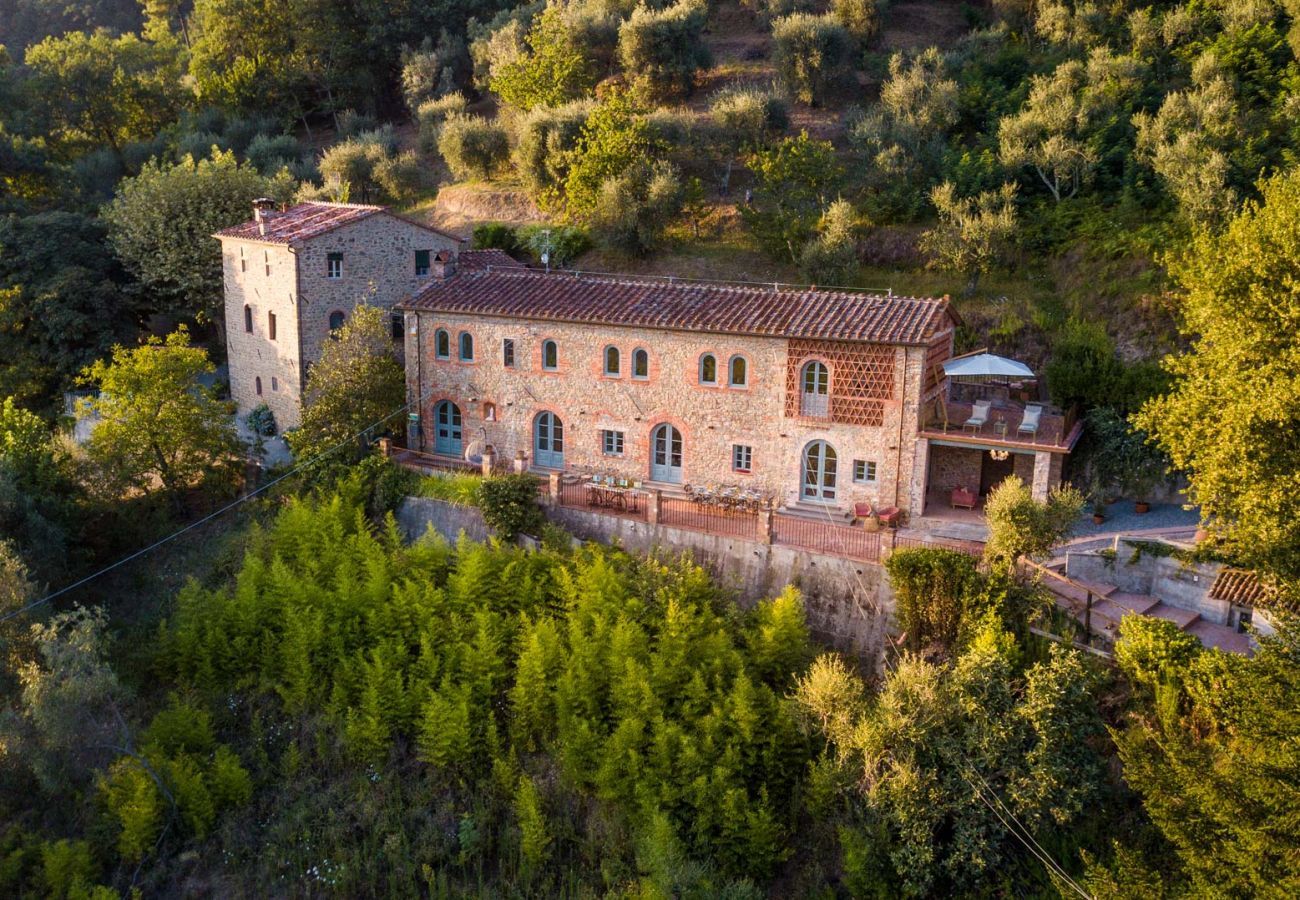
848 604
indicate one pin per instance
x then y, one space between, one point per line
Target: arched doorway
819 470
548 441
666 454
446 431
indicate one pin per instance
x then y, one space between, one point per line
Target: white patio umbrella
986 365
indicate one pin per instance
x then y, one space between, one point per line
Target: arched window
738 372
446 429
640 363
613 362
819 463
248 318
708 369
550 355
548 441
336 320
666 454
257 385
814 382
489 412
442 344
466 346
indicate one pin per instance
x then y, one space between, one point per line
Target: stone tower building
293 276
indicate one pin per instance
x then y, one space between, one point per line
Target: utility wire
1031 845
210 516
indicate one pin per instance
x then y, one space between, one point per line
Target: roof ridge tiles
696 305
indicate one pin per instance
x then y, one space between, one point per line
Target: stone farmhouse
820 399
292 276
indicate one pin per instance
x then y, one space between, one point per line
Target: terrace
1056 430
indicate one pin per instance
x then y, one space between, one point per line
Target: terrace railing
680 513
830 538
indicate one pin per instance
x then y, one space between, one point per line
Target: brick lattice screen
861 379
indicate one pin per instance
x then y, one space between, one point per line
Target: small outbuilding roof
685 305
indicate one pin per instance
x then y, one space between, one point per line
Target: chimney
263 212
444 264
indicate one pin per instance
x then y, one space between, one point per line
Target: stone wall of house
378 269
499 404
262 277
952 467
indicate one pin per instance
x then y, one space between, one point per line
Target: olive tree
813 55
973 233
661 50
472 146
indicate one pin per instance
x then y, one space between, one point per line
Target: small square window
864 471
421 263
612 442
334 265
508 353
742 458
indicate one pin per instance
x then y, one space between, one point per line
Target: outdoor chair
979 415
862 512
1029 424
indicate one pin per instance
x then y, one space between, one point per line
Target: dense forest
290 700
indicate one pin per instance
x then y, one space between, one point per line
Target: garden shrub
565 243
932 586
473 147
261 420
496 235
509 505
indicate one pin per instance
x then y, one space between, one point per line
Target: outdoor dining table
610 496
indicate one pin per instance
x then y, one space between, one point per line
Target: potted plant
1098 511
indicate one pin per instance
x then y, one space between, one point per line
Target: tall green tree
552 72
155 423
796 180
357 384
1211 752
1231 420
161 223
99 90
64 302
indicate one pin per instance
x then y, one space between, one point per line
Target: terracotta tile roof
480 260
301 222
784 311
1238 586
